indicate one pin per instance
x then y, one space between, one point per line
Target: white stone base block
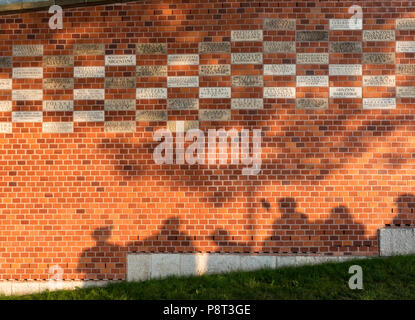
396 241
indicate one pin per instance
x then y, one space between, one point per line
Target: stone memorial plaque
308 36
89 94
215 70
346 24
214 115
120 83
182 126
246 35
151 93
279 92
151 71
27 73
279 24
214 47
58 84
405 69
5 106
183 104
27 116
246 58
5 84
379 35
312 58
151 48
151 115
405 24
405 92
345 92
279 47
312 81
378 81
405 46
215 93
280 69
247 104
379 103
58 61
119 126
58 105
57 127
345 47
5 127
89 72
312 103
120 60
28 50
182 59
88 49
89 116
182 82
378 58
26 95
6 62
120 105
345 70
247 81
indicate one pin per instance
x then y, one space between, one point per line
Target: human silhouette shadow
405 216
225 243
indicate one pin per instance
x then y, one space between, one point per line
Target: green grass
383 278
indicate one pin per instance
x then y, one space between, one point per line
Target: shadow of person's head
287 206
102 234
405 215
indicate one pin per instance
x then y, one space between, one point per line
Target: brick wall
79 107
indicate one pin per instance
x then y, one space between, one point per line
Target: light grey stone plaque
120 105
182 59
379 35
307 36
6 62
88 49
151 93
405 46
214 47
246 35
120 83
215 70
247 103
26 95
151 71
89 72
345 70
280 69
5 84
312 103
5 127
215 93
346 24
55 83
89 94
279 24
182 126
279 92
89 116
5 106
247 81
214 115
405 69
151 48
312 58
120 60
405 24
345 47
183 104
378 81
379 103
405 92
57 105
57 127
27 116
28 50
246 58
345 92
151 115
279 47
119 126
58 61
182 82
378 58
312 81
27 73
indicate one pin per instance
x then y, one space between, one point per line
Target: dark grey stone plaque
214 47
345 47
307 36
378 58
120 83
